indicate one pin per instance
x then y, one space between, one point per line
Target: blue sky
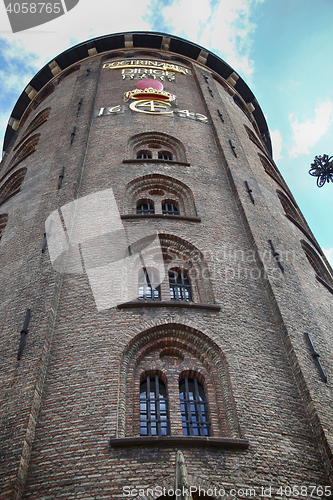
281 48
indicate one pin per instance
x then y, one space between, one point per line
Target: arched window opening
180 286
26 149
154 420
170 207
164 155
157 145
272 172
289 209
39 120
173 351
254 139
12 186
194 409
145 207
161 190
44 93
317 264
3 222
149 284
144 155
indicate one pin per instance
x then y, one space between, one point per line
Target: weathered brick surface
77 383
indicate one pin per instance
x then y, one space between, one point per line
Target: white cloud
277 144
225 29
329 254
307 134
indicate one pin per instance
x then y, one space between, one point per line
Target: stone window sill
160 216
169 303
192 441
156 160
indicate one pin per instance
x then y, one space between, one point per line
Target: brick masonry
77 383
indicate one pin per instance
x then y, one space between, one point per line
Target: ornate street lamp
322 168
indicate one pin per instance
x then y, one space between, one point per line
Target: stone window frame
158 188
174 351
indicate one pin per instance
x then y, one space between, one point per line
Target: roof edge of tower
125 40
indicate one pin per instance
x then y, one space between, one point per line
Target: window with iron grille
143 155
180 286
145 207
149 285
154 419
170 207
164 155
194 408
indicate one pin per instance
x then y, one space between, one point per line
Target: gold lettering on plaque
147 64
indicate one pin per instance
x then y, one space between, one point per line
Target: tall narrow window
153 407
180 286
145 207
193 407
149 285
170 207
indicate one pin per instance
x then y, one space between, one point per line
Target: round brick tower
163 301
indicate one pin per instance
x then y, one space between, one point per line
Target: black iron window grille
180 286
154 419
170 208
194 408
149 285
164 155
145 208
143 155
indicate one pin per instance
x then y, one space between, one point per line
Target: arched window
149 284
317 264
145 207
194 408
272 172
161 190
144 155
35 124
12 186
164 155
3 222
170 207
173 352
154 420
180 286
157 145
26 149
